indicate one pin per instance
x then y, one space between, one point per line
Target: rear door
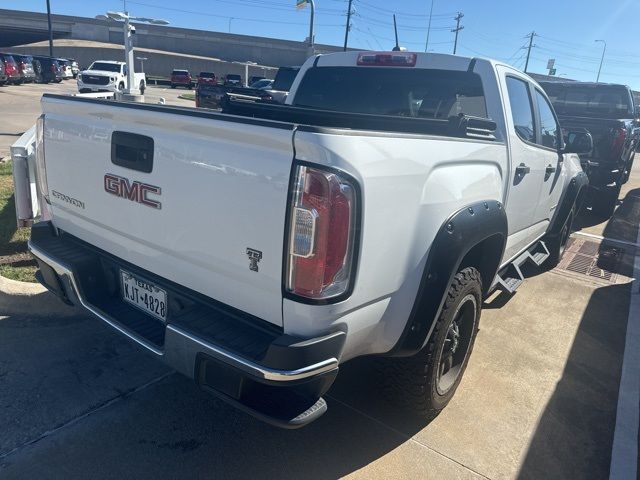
527 167
547 138
211 199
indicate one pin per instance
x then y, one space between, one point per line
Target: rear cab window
420 93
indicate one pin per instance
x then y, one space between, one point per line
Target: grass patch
188 96
13 240
22 274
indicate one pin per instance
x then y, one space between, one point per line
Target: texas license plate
144 295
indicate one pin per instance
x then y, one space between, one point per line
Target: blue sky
493 28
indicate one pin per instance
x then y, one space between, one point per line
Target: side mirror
578 142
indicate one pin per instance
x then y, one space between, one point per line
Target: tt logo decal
254 258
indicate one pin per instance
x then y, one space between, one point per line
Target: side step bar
511 277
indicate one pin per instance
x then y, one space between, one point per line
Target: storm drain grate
593 260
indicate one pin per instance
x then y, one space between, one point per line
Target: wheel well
485 257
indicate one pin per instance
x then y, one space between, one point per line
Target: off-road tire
557 244
412 381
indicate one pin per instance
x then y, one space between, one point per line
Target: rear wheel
173 85
557 244
121 86
426 382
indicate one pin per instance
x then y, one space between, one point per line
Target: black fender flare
567 201
458 235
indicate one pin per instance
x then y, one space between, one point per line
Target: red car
10 69
207 78
181 78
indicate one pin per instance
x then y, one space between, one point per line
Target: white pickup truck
257 250
108 76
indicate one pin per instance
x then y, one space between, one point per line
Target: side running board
511 277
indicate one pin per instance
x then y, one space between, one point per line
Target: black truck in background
608 113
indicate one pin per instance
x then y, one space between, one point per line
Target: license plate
144 295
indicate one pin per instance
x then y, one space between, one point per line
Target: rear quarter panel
410 185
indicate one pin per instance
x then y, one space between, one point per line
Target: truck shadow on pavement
78 401
574 435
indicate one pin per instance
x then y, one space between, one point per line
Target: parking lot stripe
624 453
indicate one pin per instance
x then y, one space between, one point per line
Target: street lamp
230 18
604 49
142 59
128 42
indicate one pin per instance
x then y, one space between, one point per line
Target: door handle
522 169
550 169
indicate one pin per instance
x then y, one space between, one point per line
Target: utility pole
348 27
50 30
426 45
457 18
531 35
602 59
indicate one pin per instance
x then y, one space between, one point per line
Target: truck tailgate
217 186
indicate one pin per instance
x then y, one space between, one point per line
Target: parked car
370 215
3 75
65 65
181 78
25 67
108 76
263 84
608 113
46 69
211 96
255 78
282 83
11 69
207 78
233 80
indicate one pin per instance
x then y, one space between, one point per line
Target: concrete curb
26 298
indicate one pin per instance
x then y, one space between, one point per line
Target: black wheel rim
456 345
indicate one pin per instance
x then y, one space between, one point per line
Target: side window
548 125
521 109
124 69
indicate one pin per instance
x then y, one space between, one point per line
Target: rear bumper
275 377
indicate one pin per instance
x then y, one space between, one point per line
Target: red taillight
619 141
388 59
321 236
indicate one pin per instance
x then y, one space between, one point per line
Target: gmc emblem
136 191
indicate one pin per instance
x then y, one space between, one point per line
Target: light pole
313 12
230 18
129 30
142 59
604 49
426 46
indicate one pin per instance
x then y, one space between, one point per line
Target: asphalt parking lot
538 400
